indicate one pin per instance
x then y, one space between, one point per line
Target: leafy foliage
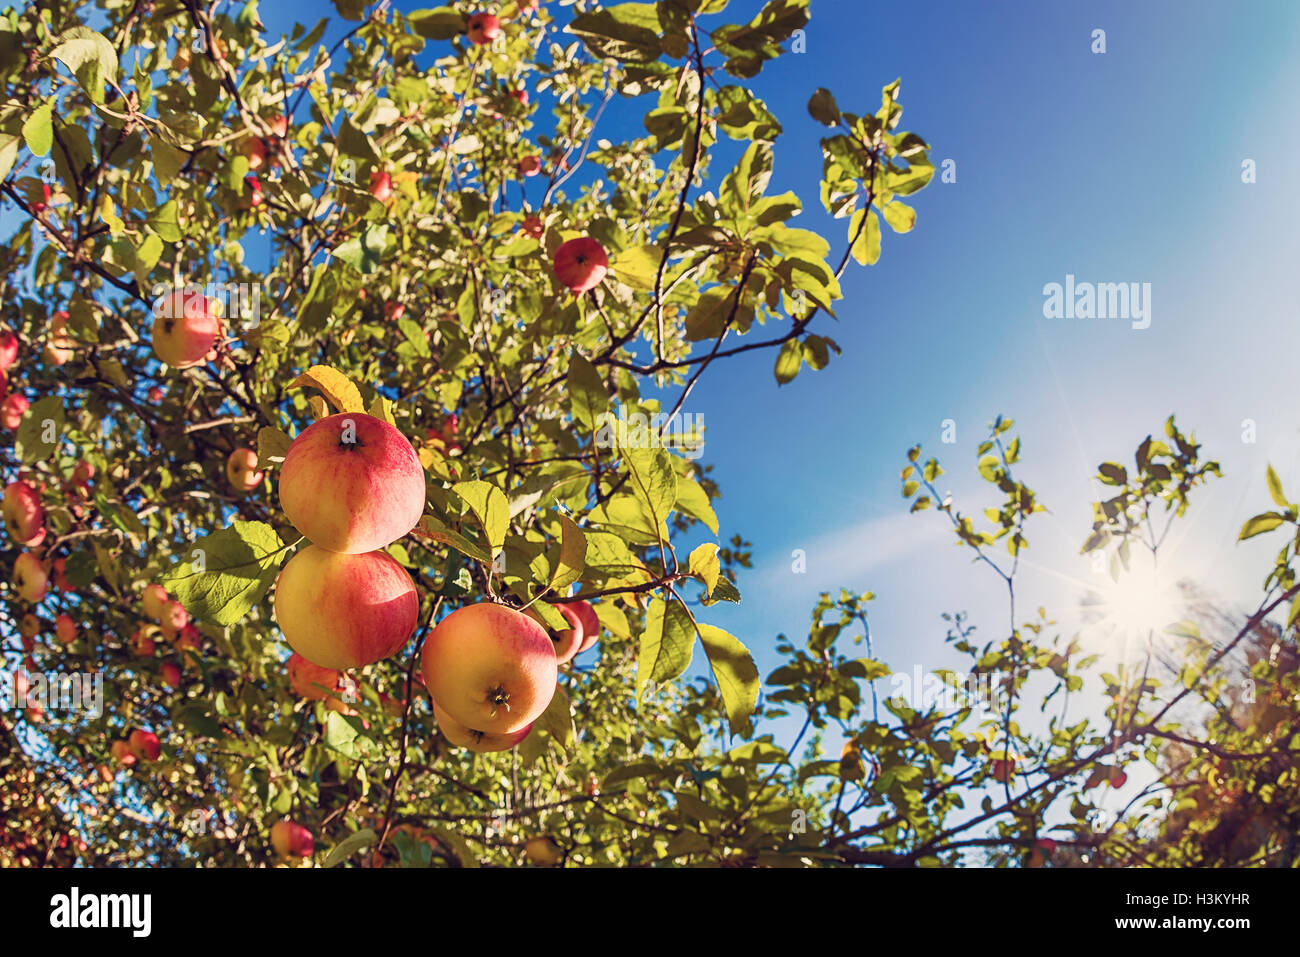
361 212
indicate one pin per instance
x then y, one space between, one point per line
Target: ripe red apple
189 643
483 28
393 311
533 227
342 610
254 148
155 394
82 474
185 329
24 515
11 413
352 483
30 577
241 470
290 839
121 752
590 623
530 166
567 642
381 185
142 644
174 617
29 627
311 681
65 629
463 737
58 347
490 667
154 601
58 574
543 851
521 95
1003 769
171 674
255 194
279 125
580 264
145 745
8 350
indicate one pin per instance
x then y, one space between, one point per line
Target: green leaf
40 430
866 242
490 508
38 130
666 644
350 845
435 529
457 844
272 446
238 566
438 23
1259 525
90 57
1275 489
147 255
573 555
587 395
788 361
653 479
413 334
163 222
748 46
557 719
363 252
8 153
823 109
708 317
629 32
735 672
900 216
637 267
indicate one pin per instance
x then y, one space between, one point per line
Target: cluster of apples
352 485
15 403
137 747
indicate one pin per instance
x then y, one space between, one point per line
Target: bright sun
1143 601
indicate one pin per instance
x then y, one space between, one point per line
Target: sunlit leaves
629 32
91 58
666 643
38 131
224 574
341 391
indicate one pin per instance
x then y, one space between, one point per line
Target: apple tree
219 236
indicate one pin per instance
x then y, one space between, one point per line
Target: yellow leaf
341 392
704 562
382 408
